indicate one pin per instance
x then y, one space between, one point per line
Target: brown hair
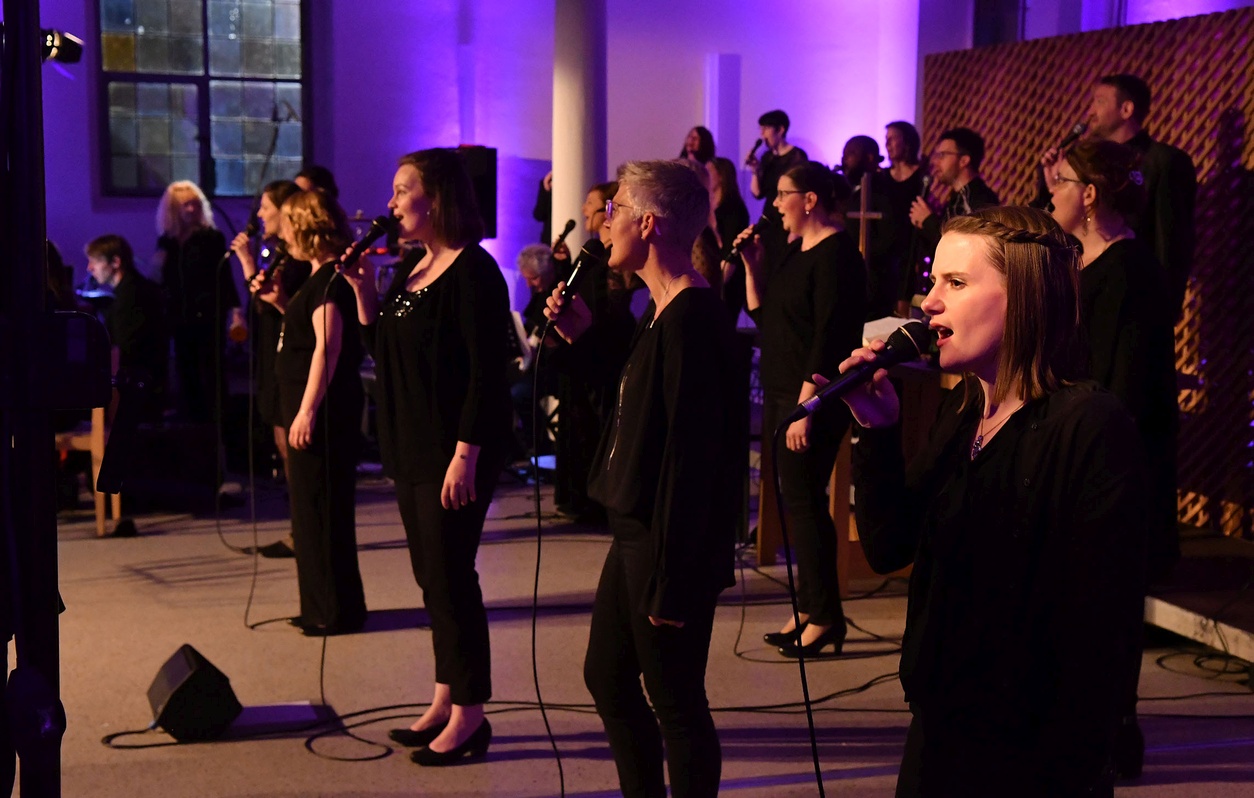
454 207
315 226
833 190
1041 265
727 179
1111 168
110 246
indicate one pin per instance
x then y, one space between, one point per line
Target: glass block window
203 90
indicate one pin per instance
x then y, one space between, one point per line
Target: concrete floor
133 602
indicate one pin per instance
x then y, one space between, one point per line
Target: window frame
207 176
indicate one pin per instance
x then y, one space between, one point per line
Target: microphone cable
780 507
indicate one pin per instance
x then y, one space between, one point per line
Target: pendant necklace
977 445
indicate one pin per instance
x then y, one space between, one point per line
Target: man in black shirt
135 321
1117 113
956 164
780 156
881 253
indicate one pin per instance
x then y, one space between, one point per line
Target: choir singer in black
668 471
1023 518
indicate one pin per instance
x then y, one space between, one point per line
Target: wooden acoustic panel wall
1023 97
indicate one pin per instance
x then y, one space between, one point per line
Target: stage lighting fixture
60 46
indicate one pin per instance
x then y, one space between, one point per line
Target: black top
188 276
1166 223
771 169
672 456
269 323
883 260
1025 598
731 218
811 314
1128 319
971 197
137 327
297 342
441 359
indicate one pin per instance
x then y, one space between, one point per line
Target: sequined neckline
405 302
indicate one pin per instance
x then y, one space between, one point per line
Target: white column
722 103
579 127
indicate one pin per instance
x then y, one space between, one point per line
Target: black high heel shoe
417 739
475 746
784 638
835 635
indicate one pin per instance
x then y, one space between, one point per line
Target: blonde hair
170 221
1040 350
315 226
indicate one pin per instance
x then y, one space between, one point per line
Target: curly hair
170 220
1040 349
315 228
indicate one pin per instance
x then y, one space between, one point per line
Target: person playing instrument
1023 518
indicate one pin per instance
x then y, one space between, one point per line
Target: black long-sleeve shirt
1026 594
1166 222
441 363
196 278
971 197
672 456
812 311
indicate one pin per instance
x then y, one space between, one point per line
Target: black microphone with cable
1076 132
380 227
753 153
758 227
908 342
572 284
567 230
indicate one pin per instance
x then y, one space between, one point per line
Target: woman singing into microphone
1024 518
320 397
440 340
810 312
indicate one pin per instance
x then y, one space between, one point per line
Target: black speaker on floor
191 699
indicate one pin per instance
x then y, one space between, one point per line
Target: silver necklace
977 445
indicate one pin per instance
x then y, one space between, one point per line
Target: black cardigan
1018 650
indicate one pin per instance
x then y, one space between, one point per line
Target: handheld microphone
570 226
753 152
1076 132
758 226
381 226
908 342
926 184
572 284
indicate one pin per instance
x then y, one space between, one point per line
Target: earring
807 211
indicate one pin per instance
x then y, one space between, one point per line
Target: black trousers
804 477
322 485
443 545
623 646
196 363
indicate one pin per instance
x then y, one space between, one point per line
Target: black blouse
297 342
672 456
441 360
812 313
268 324
1025 598
196 278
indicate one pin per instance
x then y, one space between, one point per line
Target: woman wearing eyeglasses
1128 319
810 315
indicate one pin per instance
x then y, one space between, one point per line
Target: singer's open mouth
941 332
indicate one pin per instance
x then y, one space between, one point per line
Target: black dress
199 291
731 218
265 340
1025 600
810 320
322 478
137 327
1128 312
670 473
774 236
901 195
441 360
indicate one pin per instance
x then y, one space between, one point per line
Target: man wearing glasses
955 163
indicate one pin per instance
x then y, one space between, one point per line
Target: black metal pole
29 512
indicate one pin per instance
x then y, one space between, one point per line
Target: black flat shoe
833 636
417 739
331 629
475 746
278 550
783 638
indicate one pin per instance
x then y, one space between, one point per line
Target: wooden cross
865 215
